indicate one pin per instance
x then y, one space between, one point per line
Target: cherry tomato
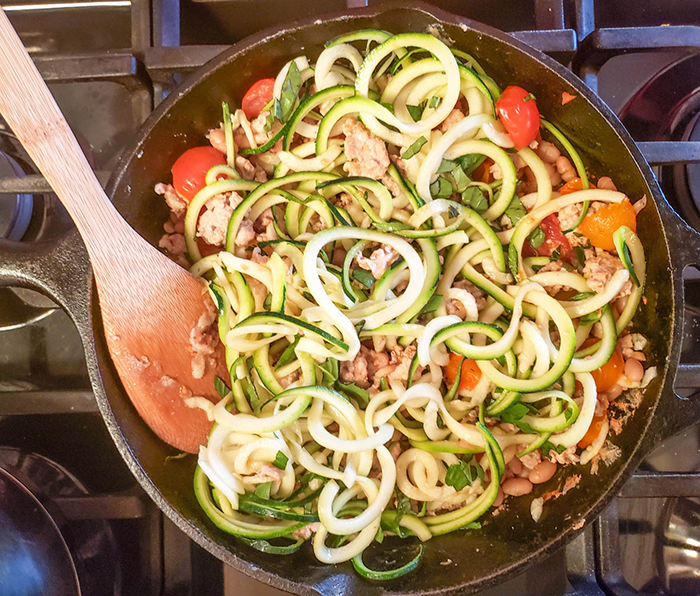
207 249
553 239
600 226
593 430
257 97
573 185
518 111
606 376
471 373
191 167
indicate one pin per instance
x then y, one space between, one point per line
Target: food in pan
425 301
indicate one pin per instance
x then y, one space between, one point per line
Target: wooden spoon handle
29 108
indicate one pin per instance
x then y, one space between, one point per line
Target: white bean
634 370
542 472
517 487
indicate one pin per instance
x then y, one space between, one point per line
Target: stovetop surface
108 64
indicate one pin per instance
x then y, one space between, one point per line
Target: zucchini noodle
395 331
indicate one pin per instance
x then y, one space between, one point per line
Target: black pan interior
507 541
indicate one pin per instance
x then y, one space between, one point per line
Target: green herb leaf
453 211
330 370
435 101
537 238
474 198
262 490
268 122
459 475
267 303
388 106
591 318
403 507
441 189
580 254
288 355
548 446
379 536
416 112
582 295
354 392
556 254
471 526
514 413
414 148
220 387
447 165
470 162
359 326
516 211
528 97
525 427
281 461
284 106
462 181
363 277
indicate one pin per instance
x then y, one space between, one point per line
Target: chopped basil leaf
329 370
453 211
268 122
353 391
590 318
267 303
547 446
470 162
221 387
280 461
435 102
432 304
447 165
460 475
514 413
556 254
414 148
525 427
516 211
284 106
580 254
441 189
403 507
461 179
262 490
536 238
288 354
363 277
415 111
474 198
252 394
582 295
359 326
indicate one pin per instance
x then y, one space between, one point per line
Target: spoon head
163 339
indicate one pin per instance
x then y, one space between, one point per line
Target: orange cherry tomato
191 167
606 376
573 185
471 373
257 97
518 111
593 430
600 226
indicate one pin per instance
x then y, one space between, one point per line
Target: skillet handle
679 405
59 269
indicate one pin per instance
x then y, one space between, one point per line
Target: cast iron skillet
506 544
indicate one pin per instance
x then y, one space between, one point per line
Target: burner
678 547
51 554
667 108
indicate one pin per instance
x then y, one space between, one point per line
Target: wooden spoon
149 304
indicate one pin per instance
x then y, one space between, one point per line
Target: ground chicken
379 261
356 371
217 138
204 338
399 163
531 459
266 473
568 456
246 233
175 202
366 153
402 359
176 248
306 532
392 185
599 268
290 378
455 307
452 118
213 223
249 171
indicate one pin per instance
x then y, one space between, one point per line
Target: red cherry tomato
555 239
191 167
257 97
518 111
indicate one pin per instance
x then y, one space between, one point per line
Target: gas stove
109 63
